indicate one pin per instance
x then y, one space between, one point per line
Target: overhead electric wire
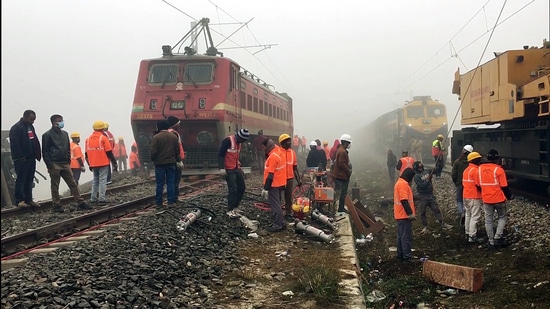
469 44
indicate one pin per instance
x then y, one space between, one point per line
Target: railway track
48 204
43 235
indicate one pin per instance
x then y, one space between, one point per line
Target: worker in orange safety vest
275 180
404 162
404 213
77 158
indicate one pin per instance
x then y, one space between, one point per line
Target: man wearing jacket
165 153
56 152
342 171
494 193
291 170
459 165
25 150
472 196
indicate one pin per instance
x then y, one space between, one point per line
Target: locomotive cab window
198 73
436 111
415 111
163 73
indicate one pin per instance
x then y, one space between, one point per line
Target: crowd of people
481 186
65 158
279 166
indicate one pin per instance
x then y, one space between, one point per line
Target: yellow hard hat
121 138
473 155
99 125
325 143
283 137
75 134
441 136
105 125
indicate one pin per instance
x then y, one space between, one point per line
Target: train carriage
213 96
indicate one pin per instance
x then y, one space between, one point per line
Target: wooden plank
364 217
456 276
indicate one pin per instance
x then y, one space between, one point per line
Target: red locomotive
213 96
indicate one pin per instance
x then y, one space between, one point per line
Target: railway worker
275 180
438 153
260 152
316 158
165 153
404 162
119 150
99 156
416 148
77 158
135 165
230 169
303 144
391 162
25 150
494 193
291 160
404 213
175 123
341 171
426 198
296 143
111 138
334 149
326 150
472 196
56 152
459 165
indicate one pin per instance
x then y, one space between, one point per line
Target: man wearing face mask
56 152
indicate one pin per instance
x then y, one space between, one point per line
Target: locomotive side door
234 95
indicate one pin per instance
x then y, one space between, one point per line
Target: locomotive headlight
410 125
202 103
177 105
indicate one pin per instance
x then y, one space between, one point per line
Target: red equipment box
324 194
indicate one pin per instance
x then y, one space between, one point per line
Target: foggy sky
343 62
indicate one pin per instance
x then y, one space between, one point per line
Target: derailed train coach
421 119
511 94
213 96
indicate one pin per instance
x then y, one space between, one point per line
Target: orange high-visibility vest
231 160
276 164
470 178
97 146
406 162
291 162
134 160
76 152
402 191
491 178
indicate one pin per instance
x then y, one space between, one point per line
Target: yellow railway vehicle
510 92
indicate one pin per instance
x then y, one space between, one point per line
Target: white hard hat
313 144
345 137
468 148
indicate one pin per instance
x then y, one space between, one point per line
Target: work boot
275 229
233 214
23 204
34 204
102 203
83 205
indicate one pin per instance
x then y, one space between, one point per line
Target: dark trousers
342 191
260 157
274 199
24 168
439 162
391 173
63 170
236 188
165 174
288 195
109 174
404 239
177 180
76 174
425 201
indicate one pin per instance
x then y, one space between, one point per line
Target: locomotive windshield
415 111
163 73
436 111
198 73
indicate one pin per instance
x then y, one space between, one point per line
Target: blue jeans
99 183
165 174
24 168
489 216
404 239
